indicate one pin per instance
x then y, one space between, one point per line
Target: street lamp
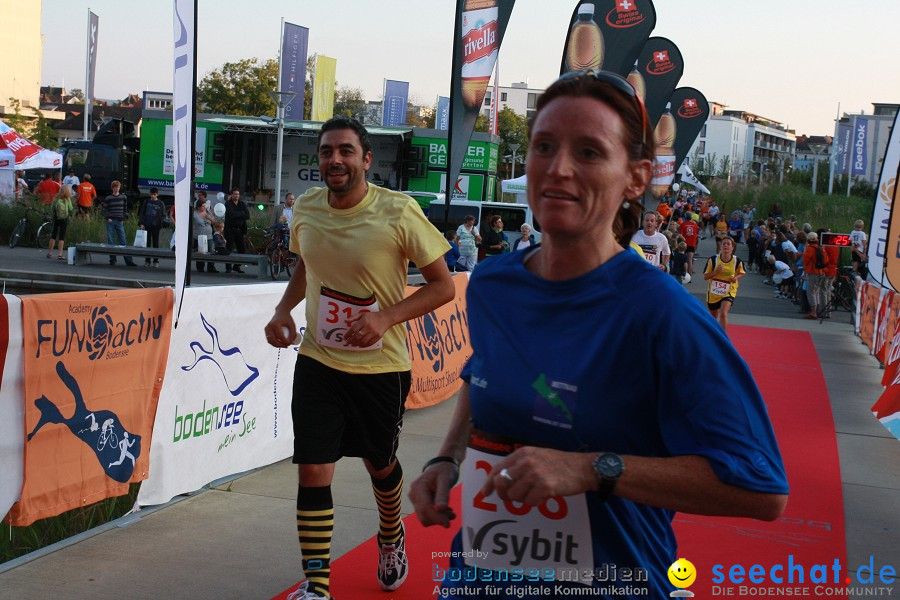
514 147
281 100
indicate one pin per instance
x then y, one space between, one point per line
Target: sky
792 61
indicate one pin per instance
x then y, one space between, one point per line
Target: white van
513 215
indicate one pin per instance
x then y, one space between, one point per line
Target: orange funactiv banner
884 326
867 316
439 346
94 367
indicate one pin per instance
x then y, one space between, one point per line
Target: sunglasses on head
620 84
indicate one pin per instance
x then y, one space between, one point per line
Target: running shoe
393 566
302 593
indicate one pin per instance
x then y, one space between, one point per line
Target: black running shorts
339 414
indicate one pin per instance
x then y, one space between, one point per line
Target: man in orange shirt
690 229
86 195
47 189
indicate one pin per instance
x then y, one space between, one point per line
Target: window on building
529 114
701 147
487 99
703 131
502 96
532 101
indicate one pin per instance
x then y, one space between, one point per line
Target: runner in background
652 242
722 273
690 230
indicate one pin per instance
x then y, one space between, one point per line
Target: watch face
609 465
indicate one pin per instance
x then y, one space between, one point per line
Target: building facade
20 77
520 98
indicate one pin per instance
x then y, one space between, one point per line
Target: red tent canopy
28 154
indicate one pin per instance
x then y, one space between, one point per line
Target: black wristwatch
608 467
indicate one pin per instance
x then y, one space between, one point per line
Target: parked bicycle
280 258
41 234
843 295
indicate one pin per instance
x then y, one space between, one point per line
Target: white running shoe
302 593
393 566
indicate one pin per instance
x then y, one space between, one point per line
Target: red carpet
787 371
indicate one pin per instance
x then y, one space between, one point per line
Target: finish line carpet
788 373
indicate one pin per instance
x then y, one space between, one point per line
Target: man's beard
352 180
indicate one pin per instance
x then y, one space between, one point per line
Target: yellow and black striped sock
388 495
315 525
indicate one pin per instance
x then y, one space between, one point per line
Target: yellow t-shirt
721 230
721 286
360 253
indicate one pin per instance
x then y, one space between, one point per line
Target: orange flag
94 367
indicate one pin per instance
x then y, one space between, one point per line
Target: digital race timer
835 239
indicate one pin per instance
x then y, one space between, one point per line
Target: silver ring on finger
505 476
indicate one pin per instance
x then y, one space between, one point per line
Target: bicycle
257 240
280 258
41 234
843 295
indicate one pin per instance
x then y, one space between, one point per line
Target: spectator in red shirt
690 229
833 253
47 189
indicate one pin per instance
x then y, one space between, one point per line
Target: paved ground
235 540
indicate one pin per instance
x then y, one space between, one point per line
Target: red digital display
835 239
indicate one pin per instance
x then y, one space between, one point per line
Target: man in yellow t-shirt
355 242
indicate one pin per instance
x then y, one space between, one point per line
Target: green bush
837 212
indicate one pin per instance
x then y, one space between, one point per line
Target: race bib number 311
335 311
502 535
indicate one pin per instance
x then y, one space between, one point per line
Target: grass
837 212
18 541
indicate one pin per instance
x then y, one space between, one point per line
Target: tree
512 128
482 123
240 88
308 87
350 102
724 167
77 93
43 135
17 120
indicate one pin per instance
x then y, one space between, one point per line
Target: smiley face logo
682 573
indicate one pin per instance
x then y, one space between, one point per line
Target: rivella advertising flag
294 44
858 146
323 88
655 75
94 367
478 34
608 35
676 131
884 236
396 97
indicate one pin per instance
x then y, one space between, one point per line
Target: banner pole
87 76
850 162
834 143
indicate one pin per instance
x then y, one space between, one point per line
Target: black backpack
820 257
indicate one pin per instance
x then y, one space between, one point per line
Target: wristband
441 459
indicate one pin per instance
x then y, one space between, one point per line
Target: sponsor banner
883 322
690 111
479 156
891 350
858 149
199 152
478 34
659 68
12 410
396 97
94 367
183 124
607 34
226 405
844 138
323 88
439 347
868 314
884 235
442 117
860 294
887 408
294 43
93 30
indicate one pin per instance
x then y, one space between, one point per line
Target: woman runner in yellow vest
722 275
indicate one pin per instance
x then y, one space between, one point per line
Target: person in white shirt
860 246
653 243
525 241
71 179
21 185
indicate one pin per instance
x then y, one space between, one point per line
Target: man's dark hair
202 193
335 123
234 189
154 191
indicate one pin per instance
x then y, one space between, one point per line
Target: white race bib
502 535
335 310
719 288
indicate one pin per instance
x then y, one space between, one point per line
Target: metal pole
815 174
280 145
